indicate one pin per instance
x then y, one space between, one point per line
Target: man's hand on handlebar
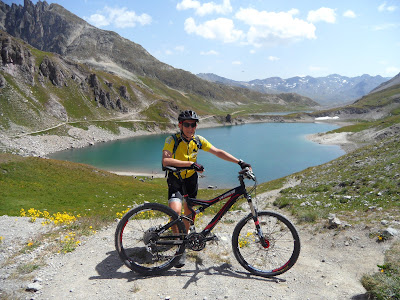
197 167
244 165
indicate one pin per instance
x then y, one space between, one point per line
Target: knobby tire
137 239
280 253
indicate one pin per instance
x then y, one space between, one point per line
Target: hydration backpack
177 140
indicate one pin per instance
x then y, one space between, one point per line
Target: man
180 150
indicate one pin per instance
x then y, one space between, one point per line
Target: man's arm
223 154
168 160
229 157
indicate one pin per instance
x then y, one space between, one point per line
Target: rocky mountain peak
330 90
51 28
46 27
16 59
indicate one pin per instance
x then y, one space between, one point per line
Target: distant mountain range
115 73
392 82
331 90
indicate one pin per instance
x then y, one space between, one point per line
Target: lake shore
139 174
342 139
34 144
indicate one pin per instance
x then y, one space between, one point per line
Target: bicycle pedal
214 238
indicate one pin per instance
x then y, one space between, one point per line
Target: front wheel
147 242
280 250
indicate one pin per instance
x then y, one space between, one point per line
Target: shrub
385 284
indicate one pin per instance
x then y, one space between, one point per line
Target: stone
34 287
334 221
390 232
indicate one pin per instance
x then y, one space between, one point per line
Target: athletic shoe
181 262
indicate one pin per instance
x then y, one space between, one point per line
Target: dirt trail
330 266
326 269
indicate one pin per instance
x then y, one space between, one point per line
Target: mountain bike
151 237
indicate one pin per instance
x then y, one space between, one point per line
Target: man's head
188 115
187 123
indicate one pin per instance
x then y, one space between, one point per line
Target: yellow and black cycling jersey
186 151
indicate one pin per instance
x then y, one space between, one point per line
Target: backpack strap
198 142
177 141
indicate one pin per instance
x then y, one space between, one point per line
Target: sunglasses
187 125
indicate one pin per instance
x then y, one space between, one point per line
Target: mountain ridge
330 90
51 28
394 81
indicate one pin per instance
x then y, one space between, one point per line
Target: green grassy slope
57 186
37 101
352 186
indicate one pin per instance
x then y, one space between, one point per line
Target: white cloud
316 69
98 20
236 62
324 14
174 50
118 17
349 14
219 29
210 52
273 58
387 26
392 71
384 7
180 48
205 8
271 28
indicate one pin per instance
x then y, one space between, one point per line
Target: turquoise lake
273 149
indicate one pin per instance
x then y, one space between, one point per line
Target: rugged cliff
54 29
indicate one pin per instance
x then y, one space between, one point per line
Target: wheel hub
149 236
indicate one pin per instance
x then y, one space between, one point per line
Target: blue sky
256 39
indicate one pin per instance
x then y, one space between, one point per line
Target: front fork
254 213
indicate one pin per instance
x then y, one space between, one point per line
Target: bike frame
233 195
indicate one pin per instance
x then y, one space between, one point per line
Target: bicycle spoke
140 243
281 240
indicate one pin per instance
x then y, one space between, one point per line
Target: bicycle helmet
188 115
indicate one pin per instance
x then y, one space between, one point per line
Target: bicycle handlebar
174 169
246 172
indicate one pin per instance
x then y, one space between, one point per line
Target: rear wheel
144 244
277 255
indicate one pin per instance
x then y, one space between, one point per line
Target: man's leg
175 202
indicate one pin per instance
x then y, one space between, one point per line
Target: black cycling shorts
174 185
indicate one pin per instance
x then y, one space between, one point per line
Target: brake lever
250 175
246 172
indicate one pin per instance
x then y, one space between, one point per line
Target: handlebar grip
174 169
246 172
169 168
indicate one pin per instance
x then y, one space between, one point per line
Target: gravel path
326 269
330 266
